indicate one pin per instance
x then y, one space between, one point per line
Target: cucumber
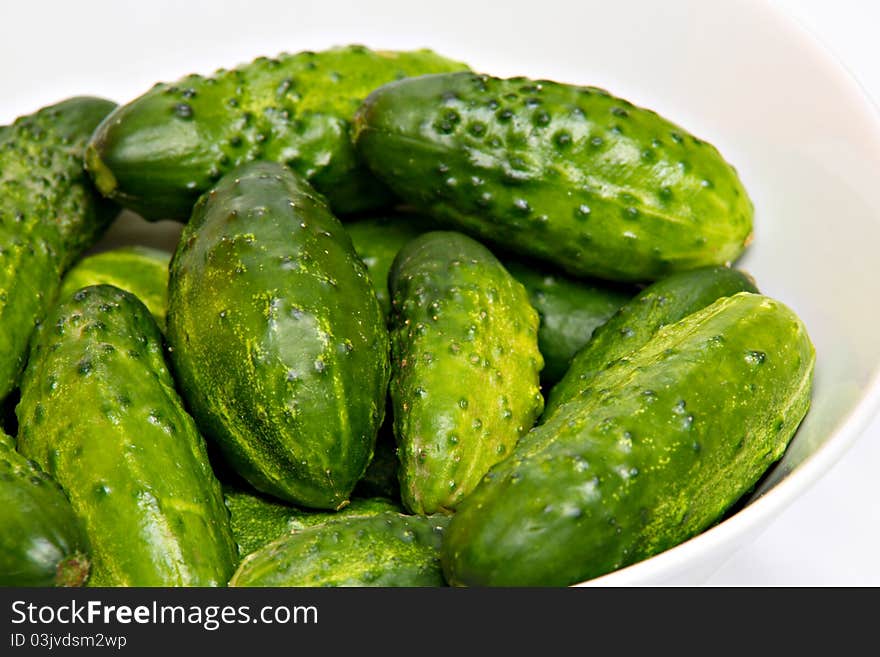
257 520
100 414
42 542
465 363
278 342
569 311
384 549
567 174
672 436
48 216
377 241
137 269
158 153
665 302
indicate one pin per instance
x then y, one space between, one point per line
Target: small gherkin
257 520
634 324
158 153
383 548
49 215
465 367
99 413
42 542
563 173
669 438
278 342
137 269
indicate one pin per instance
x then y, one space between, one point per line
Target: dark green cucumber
257 521
137 269
278 342
665 302
569 311
377 241
465 365
568 174
156 154
100 414
672 437
384 549
48 216
41 542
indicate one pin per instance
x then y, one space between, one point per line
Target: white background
829 536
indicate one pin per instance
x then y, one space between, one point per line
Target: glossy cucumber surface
278 342
158 153
571 175
49 215
41 542
384 549
99 412
465 367
667 441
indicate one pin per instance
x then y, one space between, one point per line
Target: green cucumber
48 216
567 174
42 542
671 437
665 302
465 363
257 520
137 269
100 414
156 154
277 339
383 549
377 241
569 311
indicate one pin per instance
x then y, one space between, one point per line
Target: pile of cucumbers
423 326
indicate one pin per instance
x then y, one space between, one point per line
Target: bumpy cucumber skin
48 216
278 342
257 520
384 549
100 414
665 302
571 175
670 439
378 240
137 269
156 154
465 359
569 311
42 542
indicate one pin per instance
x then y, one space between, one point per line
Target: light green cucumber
137 269
383 549
99 412
465 364
49 215
671 438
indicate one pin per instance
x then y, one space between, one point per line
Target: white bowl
802 135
